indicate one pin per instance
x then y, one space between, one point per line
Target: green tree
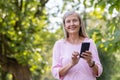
106 35
24 39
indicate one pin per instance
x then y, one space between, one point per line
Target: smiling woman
72 24
67 64
72 20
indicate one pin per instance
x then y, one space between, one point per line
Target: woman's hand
75 58
88 57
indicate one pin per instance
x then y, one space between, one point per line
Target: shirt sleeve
56 61
96 58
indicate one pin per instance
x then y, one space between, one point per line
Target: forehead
74 15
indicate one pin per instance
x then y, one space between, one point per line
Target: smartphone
85 47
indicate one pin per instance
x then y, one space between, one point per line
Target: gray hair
82 31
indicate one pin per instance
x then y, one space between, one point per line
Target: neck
75 39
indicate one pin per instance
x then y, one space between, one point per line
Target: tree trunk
11 65
3 75
19 72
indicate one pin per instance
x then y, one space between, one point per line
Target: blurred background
29 29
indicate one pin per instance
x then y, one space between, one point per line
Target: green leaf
111 8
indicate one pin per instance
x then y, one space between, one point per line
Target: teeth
72 27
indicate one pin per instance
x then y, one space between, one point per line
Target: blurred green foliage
25 34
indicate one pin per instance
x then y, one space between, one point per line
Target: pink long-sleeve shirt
62 52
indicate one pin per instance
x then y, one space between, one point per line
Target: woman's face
72 24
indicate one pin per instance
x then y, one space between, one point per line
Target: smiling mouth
72 28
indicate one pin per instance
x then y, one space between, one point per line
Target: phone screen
85 47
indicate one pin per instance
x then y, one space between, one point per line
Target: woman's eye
75 20
68 21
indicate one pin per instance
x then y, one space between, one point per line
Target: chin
73 32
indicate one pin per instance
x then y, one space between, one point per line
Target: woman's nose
71 23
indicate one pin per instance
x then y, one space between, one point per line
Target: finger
75 57
73 54
88 52
85 54
87 58
76 53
